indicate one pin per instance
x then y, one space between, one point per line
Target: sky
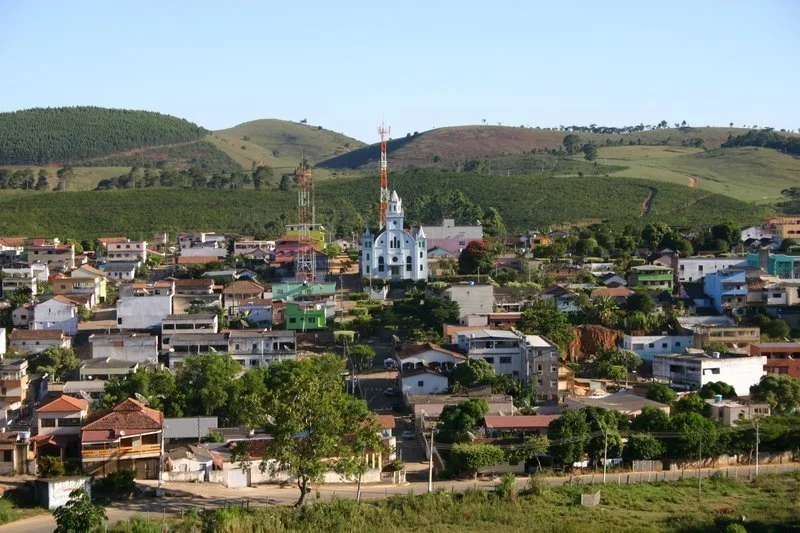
417 65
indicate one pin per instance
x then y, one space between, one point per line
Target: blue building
727 290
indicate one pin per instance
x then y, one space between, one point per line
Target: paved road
182 496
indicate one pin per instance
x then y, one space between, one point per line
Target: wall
472 299
143 312
692 269
661 344
197 477
144 349
430 384
53 493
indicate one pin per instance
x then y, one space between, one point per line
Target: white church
395 254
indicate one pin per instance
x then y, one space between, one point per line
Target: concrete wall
198 477
472 299
143 312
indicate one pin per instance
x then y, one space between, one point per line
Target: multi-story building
695 268
194 287
107 368
731 411
133 347
452 237
654 277
128 437
781 265
395 253
242 248
59 313
60 257
120 271
692 371
772 291
786 227
128 251
197 322
37 341
305 316
648 346
782 357
13 386
736 338
471 299
727 290
94 285
542 360
58 420
16 278
501 349
144 305
252 348
238 292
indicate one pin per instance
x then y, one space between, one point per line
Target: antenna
305 263
384 132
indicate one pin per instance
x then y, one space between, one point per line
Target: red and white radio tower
384 133
305 263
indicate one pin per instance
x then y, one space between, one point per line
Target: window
420 255
293 320
421 268
420 383
119 320
69 422
505 360
235 346
367 257
253 362
664 344
489 360
8 456
515 373
677 343
651 345
48 422
255 345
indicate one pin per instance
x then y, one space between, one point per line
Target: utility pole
699 464
605 447
757 440
430 460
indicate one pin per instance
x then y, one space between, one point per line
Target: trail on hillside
693 183
648 202
134 151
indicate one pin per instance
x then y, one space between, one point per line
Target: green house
654 277
305 316
302 291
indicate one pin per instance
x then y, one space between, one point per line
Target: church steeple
394 218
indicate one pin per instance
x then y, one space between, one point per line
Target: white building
471 299
695 268
37 341
120 271
132 347
56 313
135 251
695 370
242 248
648 346
500 348
542 360
423 381
19 278
59 257
428 355
395 253
200 322
62 415
2 341
144 306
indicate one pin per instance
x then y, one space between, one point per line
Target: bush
7 511
49 467
358 296
118 483
136 524
506 488
536 486
394 466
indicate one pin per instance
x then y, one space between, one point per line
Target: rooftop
652 267
63 404
189 317
128 414
108 363
243 287
518 422
777 345
621 401
537 341
37 335
490 334
416 349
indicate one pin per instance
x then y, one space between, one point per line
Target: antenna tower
384 133
305 262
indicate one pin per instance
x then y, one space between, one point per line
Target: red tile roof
386 421
612 292
128 415
36 335
243 287
417 349
518 422
64 404
197 260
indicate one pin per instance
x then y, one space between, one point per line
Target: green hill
282 143
346 205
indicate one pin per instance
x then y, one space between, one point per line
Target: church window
394 260
408 264
394 223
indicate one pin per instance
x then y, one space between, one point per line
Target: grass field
769 504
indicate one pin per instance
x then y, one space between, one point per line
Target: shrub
536 486
506 488
358 296
136 524
735 528
7 511
49 467
394 466
118 483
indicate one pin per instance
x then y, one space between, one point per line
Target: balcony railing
122 451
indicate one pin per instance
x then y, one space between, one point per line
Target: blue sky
419 64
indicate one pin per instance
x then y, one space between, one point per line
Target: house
86 389
144 305
786 227
58 420
422 381
693 370
773 292
731 411
60 257
472 299
129 437
2 341
198 322
695 268
452 237
648 346
100 283
127 251
257 311
107 368
395 253
619 294
194 287
56 313
20 278
201 240
500 348
782 357
727 290
248 247
37 341
120 271
736 338
14 382
624 401
612 279
430 406
564 299
785 266
190 458
517 426
195 343
16 453
756 233
542 364
133 347
93 286
189 428
305 316
653 277
22 316
428 355
238 292
254 348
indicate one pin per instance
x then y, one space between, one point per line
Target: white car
408 434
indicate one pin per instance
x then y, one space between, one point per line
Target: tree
261 174
64 176
493 223
690 403
205 381
456 420
608 424
651 420
777 329
157 386
477 257
472 373
468 457
728 232
47 467
544 319
79 514
54 361
698 436
659 392
572 143
641 302
782 393
711 389
532 448
643 446
286 182
307 413
332 250
613 363
41 182
569 434
589 152
362 356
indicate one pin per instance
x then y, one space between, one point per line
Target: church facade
395 253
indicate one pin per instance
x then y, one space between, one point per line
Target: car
389 391
408 434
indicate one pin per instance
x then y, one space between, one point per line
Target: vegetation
47 467
469 457
58 362
200 154
766 138
71 134
79 514
782 393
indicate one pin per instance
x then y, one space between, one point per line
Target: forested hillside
73 134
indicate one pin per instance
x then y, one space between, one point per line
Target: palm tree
605 309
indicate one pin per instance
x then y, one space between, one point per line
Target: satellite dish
141 398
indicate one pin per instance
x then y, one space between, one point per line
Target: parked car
408 434
389 391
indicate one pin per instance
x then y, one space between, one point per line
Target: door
238 478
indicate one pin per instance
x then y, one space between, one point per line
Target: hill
280 143
346 205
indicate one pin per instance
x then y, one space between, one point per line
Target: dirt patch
693 183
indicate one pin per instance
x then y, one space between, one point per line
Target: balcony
122 452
